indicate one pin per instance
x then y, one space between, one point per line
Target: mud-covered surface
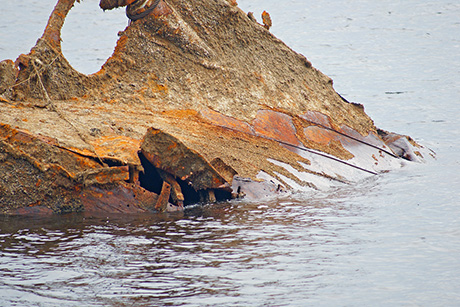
195 94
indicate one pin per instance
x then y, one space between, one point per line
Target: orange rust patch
275 125
113 174
267 21
154 86
120 147
22 60
157 88
320 135
186 113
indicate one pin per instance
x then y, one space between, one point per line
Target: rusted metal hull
197 103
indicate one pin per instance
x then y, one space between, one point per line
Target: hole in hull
89 35
150 180
222 195
190 195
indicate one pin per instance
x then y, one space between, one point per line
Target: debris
251 16
266 19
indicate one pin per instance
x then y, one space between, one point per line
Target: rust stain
122 147
320 135
172 146
110 175
276 125
156 87
123 198
180 114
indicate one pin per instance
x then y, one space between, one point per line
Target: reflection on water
343 247
391 240
229 253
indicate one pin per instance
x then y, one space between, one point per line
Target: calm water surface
392 240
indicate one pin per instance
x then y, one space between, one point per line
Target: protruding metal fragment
141 8
176 192
266 19
167 153
251 16
162 202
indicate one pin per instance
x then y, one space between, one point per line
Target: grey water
391 240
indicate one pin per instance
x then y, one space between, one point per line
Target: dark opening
190 195
112 162
150 180
222 195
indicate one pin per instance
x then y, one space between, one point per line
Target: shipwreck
198 103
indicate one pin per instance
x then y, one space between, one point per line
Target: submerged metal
197 103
